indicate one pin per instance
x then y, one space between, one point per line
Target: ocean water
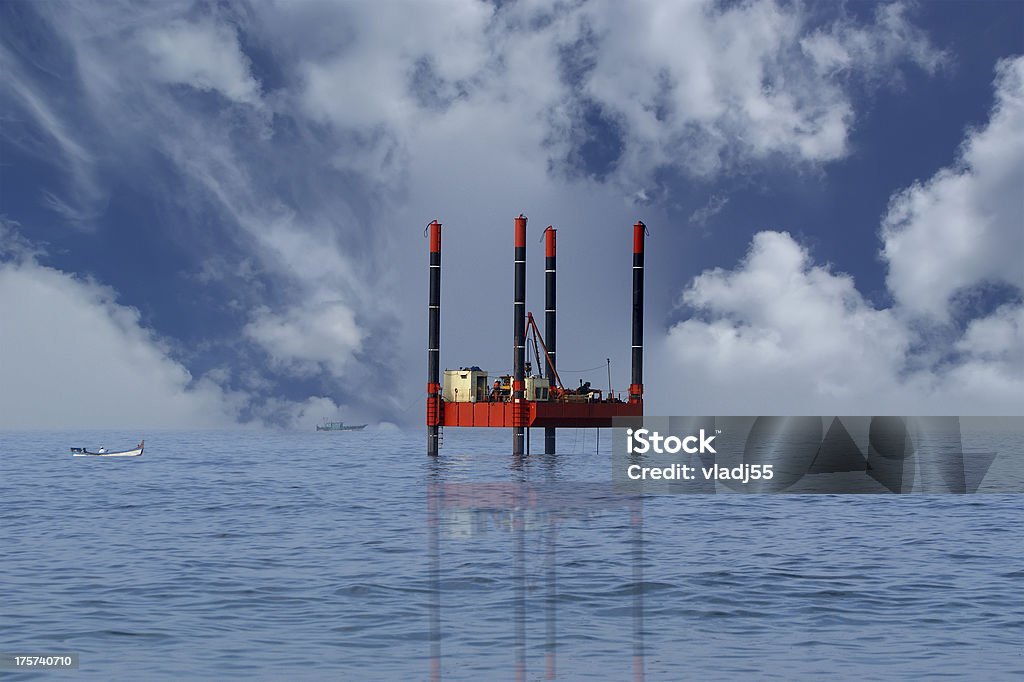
354 556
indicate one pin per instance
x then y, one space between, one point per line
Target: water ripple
359 558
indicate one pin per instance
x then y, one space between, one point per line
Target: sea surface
353 556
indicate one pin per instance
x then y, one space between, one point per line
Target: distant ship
339 426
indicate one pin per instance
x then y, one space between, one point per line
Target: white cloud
780 335
72 357
846 46
704 89
993 362
204 55
964 226
708 88
998 338
705 85
371 80
304 340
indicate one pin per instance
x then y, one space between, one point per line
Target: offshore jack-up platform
523 400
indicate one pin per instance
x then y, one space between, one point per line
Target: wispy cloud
81 200
204 55
716 202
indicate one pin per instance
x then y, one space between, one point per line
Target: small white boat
102 452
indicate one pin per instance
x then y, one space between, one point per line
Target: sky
212 213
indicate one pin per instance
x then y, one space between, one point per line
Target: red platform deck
536 414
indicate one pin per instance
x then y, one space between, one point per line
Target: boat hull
134 452
131 453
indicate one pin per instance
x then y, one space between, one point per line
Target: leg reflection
637 522
551 605
470 509
434 502
519 528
